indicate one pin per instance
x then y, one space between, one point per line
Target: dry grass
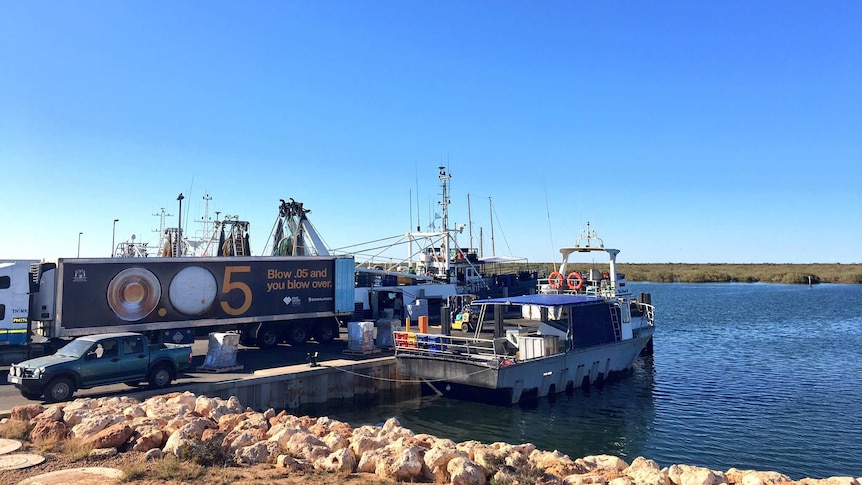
15 429
164 470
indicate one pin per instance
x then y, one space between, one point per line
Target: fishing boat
436 255
579 329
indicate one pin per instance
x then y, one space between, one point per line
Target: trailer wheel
268 337
297 335
161 376
60 389
327 332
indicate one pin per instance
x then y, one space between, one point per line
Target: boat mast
491 210
161 215
469 223
444 203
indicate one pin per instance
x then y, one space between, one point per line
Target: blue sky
715 131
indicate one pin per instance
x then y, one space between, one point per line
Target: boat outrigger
577 330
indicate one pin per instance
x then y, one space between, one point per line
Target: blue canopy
541 300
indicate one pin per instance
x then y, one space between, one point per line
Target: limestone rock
148 440
227 422
468 447
156 407
339 461
362 444
307 446
78 409
368 460
585 479
525 448
113 436
91 425
488 458
182 436
464 472
753 477
441 454
246 438
283 435
646 472
556 463
27 411
52 413
403 464
290 463
335 441
186 399
608 462
693 475
46 429
204 405
260 452
624 480
830 481
103 453
132 412
153 454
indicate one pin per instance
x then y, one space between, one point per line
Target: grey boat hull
539 377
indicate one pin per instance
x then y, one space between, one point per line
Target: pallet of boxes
221 353
360 338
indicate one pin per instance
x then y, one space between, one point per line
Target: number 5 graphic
228 286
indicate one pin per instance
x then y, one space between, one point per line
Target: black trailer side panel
163 293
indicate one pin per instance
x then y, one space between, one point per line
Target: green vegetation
712 273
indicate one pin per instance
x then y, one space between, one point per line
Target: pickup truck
97 360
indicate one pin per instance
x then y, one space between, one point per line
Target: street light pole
180 226
113 236
79 244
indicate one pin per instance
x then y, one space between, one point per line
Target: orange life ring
606 275
555 280
570 280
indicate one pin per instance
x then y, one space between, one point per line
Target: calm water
744 375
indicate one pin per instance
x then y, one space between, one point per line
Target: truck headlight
37 373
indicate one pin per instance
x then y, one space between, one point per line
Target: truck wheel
60 389
297 335
326 333
268 337
31 395
161 376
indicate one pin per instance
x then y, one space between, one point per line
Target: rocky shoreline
183 424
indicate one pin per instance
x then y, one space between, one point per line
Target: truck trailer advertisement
153 291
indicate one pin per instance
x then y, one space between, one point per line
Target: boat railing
649 313
447 346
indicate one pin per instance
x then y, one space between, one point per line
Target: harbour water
753 376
